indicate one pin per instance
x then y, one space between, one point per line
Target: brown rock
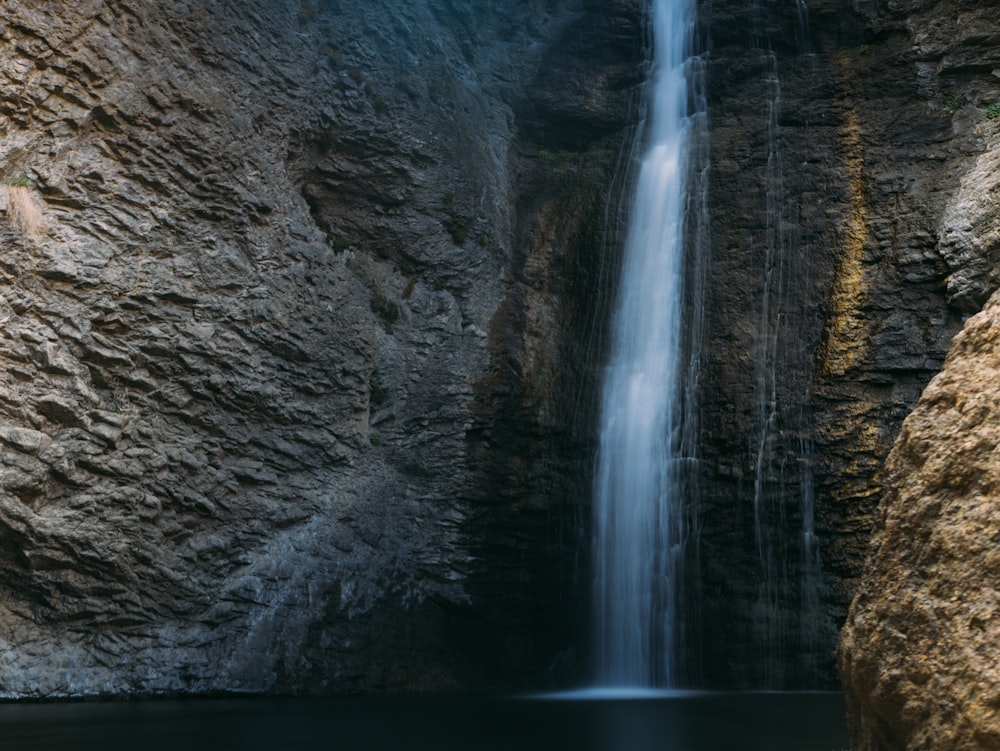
920 652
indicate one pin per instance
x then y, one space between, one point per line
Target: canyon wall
828 311
853 231
919 650
918 653
303 309
286 293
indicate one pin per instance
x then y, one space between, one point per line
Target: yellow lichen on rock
844 342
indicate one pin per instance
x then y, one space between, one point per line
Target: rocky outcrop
919 653
279 279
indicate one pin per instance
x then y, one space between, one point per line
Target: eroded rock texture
284 292
300 319
919 652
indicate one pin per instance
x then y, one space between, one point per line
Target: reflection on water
677 722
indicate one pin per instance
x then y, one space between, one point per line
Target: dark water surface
696 722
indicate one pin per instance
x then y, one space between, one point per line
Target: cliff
302 309
853 231
919 650
284 290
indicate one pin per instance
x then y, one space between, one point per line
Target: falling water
803 37
768 506
639 521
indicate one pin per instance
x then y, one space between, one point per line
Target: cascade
647 441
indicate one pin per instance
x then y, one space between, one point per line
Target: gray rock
264 325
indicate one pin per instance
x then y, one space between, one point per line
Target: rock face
301 317
853 229
284 293
919 653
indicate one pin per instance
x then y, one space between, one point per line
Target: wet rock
852 232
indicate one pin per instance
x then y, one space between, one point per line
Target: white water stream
639 520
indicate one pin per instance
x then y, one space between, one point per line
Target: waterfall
640 527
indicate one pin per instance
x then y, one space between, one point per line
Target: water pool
666 722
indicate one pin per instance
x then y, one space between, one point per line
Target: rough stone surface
920 653
301 313
278 280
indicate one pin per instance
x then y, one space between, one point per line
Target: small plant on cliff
121 398
993 111
383 307
954 105
458 228
23 210
865 49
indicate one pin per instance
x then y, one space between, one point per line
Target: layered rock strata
302 313
852 232
284 291
917 654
